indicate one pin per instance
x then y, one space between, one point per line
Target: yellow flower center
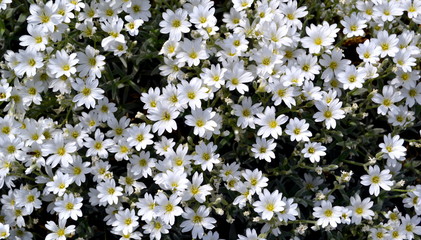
311 150
266 61
86 91
273 124
98 145
5 130
176 23
169 207
128 221
375 179
69 206
61 232
44 19
206 156
143 162
202 19
328 213
136 8
327 114
66 67
77 170
270 207
61 151
32 62
140 137
30 198
111 191
384 46
197 219
194 190
200 123
193 55
318 41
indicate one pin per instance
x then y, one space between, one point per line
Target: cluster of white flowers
262 77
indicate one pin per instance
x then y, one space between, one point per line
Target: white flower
29 61
334 64
388 44
387 100
214 76
319 36
237 77
369 52
329 113
251 234
270 125
146 206
126 221
255 180
354 25
59 183
269 203
139 136
98 146
175 23
201 120
314 151
293 13
164 117
404 60
327 215
192 52
89 92
44 15
194 189
77 170
202 16
167 208
410 226
263 149
192 92
240 5
108 192
352 77
90 63
282 93
206 156
387 11
113 27
393 146
360 209
246 112
132 25
197 221
4 231
69 207
155 228
63 64
298 130
59 231
376 180
60 150
28 199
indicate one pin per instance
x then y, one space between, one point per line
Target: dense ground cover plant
131 119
